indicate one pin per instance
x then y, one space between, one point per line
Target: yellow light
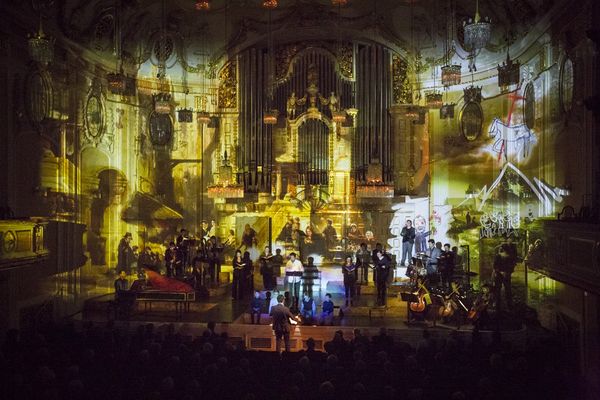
202 5
338 116
270 4
203 117
270 117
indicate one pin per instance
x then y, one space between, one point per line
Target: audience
109 363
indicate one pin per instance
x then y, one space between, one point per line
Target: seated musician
326 316
122 299
121 285
256 307
171 259
308 309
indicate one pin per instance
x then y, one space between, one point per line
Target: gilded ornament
400 83
228 86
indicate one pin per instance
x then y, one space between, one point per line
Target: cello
449 306
421 293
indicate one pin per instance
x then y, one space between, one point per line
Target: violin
420 306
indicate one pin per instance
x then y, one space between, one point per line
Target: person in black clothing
282 321
248 284
214 251
125 255
256 307
266 269
446 265
504 266
238 275
183 243
408 240
349 271
378 247
382 269
363 259
172 259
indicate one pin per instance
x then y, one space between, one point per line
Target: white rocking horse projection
511 140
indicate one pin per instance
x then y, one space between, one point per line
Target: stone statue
292 101
334 104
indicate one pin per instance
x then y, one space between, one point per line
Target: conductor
282 321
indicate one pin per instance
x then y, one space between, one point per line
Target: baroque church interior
136 131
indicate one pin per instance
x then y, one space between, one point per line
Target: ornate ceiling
230 25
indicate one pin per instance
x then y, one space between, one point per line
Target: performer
330 235
408 240
382 266
121 285
266 269
214 251
363 259
433 253
504 266
311 272
282 321
294 265
326 317
172 260
349 271
446 265
238 275
125 254
248 283
183 242
256 307
308 309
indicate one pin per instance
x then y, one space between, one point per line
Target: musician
311 272
382 267
330 235
504 266
214 251
266 268
363 259
147 259
204 229
238 275
172 260
308 309
183 242
277 262
286 233
121 285
282 321
349 271
125 255
433 253
446 265
248 283
326 316
378 247
408 234
293 265
256 307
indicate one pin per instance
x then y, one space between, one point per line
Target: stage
232 316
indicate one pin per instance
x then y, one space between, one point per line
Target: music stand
408 298
436 300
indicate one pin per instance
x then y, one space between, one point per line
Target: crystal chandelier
270 117
41 47
434 100
338 116
162 103
185 115
477 32
451 75
472 93
509 73
202 5
412 113
270 4
116 82
203 117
